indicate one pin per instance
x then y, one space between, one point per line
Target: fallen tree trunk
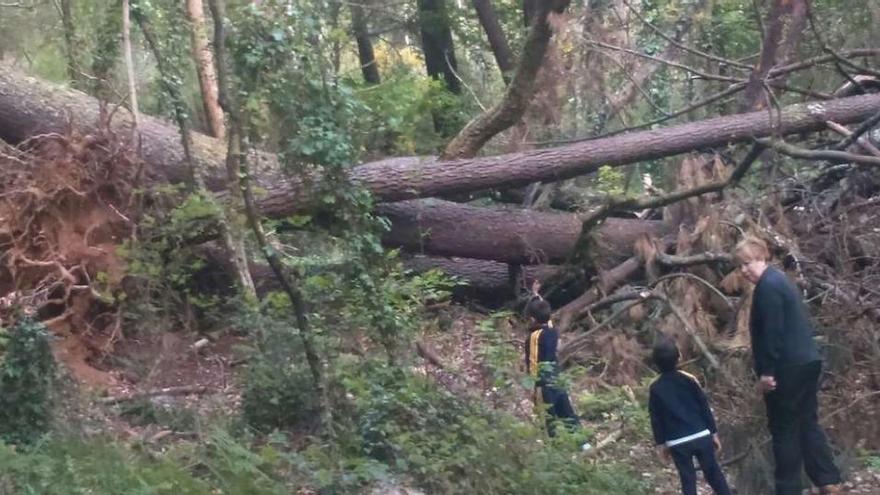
29 106
512 235
485 280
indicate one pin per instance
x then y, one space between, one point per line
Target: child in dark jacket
683 425
541 363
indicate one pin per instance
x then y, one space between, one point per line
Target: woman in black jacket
788 366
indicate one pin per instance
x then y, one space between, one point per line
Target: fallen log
511 235
483 278
29 106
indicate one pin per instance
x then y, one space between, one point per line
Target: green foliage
26 378
279 391
617 405
611 181
399 117
452 444
76 467
215 463
167 263
499 357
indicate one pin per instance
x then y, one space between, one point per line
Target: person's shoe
830 490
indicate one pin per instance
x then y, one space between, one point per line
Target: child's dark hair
539 309
665 355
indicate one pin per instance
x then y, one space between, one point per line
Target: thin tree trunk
106 50
495 34
233 244
204 59
366 56
237 160
129 66
70 45
519 92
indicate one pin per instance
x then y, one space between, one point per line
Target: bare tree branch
826 155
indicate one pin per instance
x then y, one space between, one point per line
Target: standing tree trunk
129 67
70 45
236 160
106 50
204 59
234 244
437 43
366 56
495 34
783 31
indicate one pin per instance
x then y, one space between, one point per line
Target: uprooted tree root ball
63 203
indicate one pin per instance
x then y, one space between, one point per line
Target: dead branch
820 155
845 132
696 259
578 343
856 134
697 72
642 203
713 361
169 391
428 354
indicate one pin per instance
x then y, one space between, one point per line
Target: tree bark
486 280
29 107
204 59
519 92
437 43
129 69
495 34
511 235
106 50
70 45
783 31
608 282
367 58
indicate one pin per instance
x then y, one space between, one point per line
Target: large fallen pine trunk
513 235
29 106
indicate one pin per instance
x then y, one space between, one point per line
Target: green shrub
451 444
278 386
26 378
73 466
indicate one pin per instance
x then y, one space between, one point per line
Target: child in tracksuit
683 425
541 363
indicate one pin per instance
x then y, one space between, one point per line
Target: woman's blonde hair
751 249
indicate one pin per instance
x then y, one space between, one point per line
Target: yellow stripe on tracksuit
534 368
533 351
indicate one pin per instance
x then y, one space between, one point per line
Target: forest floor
174 372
